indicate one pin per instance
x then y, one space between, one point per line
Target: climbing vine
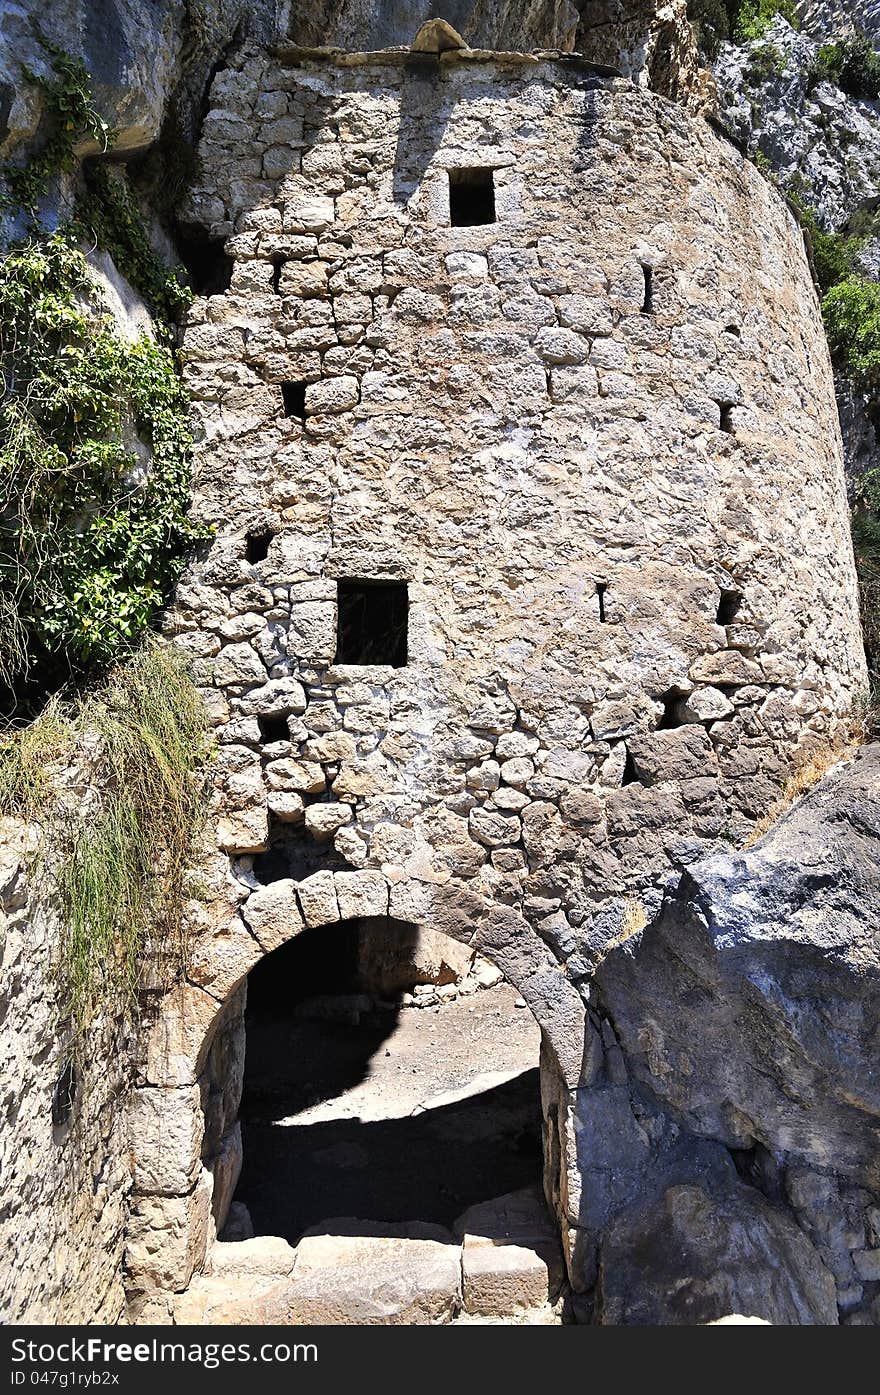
94 434
69 115
95 451
94 472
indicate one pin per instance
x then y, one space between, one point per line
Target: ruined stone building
530 590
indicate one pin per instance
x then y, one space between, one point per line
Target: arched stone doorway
389 1075
184 1129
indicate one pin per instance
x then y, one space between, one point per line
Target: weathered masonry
532 580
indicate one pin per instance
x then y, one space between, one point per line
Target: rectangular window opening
372 622
728 607
294 397
726 423
257 546
273 729
648 302
471 197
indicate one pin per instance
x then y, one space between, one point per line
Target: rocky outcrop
698 1252
819 141
822 19
747 1014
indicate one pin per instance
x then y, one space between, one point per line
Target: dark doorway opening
206 262
471 197
358 1103
372 622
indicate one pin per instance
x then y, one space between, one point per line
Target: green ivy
94 426
89 547
68 115
107 213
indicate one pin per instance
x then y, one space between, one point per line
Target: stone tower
531 581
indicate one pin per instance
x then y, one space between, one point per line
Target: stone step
503 1264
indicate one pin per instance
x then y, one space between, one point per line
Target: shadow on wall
428 1168
426 104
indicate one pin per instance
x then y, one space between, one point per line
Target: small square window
293 395
372 622
471 197
257 546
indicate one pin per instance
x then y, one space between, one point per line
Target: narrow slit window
64 1095
630 775
726 423
277 268
471 197
257 546
671 704
274 729
648 301
372 622
293 396
601 588
728 607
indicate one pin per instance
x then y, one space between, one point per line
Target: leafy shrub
833 253
754 17
88 549
850 64
866 546
765 63
118 876
851 310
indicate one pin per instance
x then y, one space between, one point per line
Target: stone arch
174 1191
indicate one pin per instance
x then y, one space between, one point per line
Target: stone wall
64 1186
596 440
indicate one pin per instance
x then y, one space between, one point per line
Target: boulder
749 1010
699 1254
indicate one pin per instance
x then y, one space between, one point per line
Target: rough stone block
165 1137
502 1280
361 894
410 1275
317 897
273 914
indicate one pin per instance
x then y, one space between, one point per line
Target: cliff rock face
747 1014
149 61
822 19
819 141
